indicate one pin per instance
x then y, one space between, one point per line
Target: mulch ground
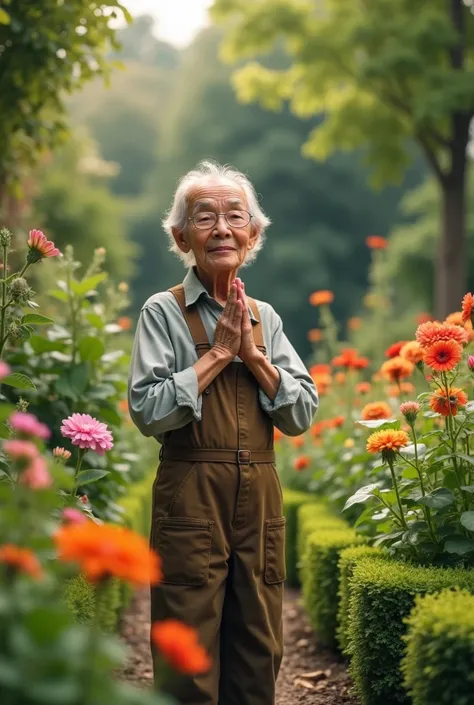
309 674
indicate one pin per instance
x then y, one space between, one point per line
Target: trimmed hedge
292 501
439 662
382 594
348 559
321 579
311 518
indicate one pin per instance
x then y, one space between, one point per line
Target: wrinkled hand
248 351
228 333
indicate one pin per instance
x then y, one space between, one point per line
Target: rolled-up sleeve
160 399
296 401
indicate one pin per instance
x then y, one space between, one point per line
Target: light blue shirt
163 384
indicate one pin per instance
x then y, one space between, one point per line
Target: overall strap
193 320
256 327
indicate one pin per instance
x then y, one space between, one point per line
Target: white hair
211 172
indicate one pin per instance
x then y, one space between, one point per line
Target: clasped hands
233 335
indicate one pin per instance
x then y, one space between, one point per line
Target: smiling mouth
222 249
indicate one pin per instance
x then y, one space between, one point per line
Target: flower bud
20 291
470 362
100 251
14 331
5 237
61 453
410 410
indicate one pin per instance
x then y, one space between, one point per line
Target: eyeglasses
236 219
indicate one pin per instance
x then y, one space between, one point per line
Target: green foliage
311 517
439 661
45 57
382 594
80 598
292 501
108 606
320 579
348 560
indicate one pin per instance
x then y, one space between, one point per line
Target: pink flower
20 450
40 247
410 410
61 453
36 475
470 362
4 369
73 516
86 432
27 423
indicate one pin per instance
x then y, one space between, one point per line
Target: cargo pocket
275 569
184 546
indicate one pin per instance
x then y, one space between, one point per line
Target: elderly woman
212 372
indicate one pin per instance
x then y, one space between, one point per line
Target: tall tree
47 50
380 73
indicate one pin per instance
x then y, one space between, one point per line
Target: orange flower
447 404
387 441
394 350
396 369
22 559
320 369
180 647
277 434
376 410
314 335
432 331
455 318
405 388
335 422
125 322
443 355
297 441
123 405
376 242
468 308
354 323
339 377
319 298
302 462
363 387
349 358
412 351
104 550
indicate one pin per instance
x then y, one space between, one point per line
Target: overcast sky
177 20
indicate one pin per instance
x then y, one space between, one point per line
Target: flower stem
4 296
80 458
395 487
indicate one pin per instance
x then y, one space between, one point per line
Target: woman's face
221 245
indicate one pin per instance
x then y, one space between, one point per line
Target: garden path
309 675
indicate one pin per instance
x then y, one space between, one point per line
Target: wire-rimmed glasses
236 219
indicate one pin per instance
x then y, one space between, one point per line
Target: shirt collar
194 289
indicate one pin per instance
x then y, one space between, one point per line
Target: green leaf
40 344
459 545
468 488
95 320
4 17
380 424
91 349
20 381
361 496
74 382
438 499
37 319
59 295
92 475
5 411
83 287
467 458
467 520
111 416
409 451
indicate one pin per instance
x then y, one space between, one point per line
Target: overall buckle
244 457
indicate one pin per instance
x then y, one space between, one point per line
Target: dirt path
309 675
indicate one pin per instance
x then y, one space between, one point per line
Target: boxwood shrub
439 663
311 518
382 594
292 501
321 579
348 559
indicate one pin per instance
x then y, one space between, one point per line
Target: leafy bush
80 598
439 661
321 579
292 501
348 559
310 518
382 594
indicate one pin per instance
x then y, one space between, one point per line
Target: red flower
40 247
443 355
376 242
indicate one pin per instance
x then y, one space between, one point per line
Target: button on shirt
163 385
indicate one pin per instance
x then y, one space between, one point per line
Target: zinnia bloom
36 475
394 350
412 351
61 453
376 410
335 422
20 450
376 242
470 362
4 370
21 559
363 387
396 368
443 355
319 298
349 358
354 323
410 410
73 516
124 322
302 462
447 404
104 550
388 441
180 647
314 335
456 318
86 432
297 441
468 308
277 434
40 247
432 331
27 424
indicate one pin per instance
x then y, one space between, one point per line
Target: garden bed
309 674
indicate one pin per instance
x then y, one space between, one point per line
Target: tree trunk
451 265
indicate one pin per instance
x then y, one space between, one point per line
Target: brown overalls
217 524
